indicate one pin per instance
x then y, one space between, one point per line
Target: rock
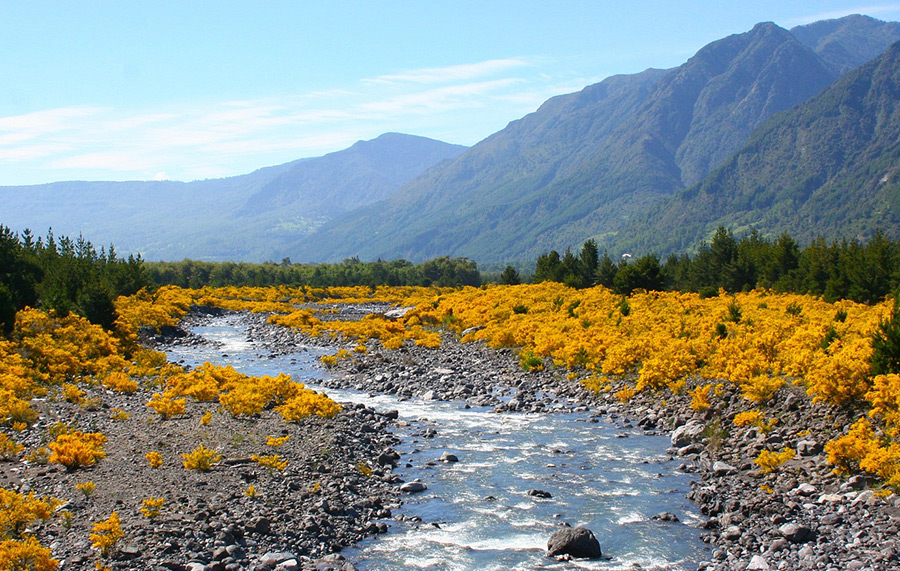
397 313
686 434
260 525
575 541
665 516
808 448
539 493
413 487
474 329
731 532
804 489
758 563
796 533
723 469
448 457
273 558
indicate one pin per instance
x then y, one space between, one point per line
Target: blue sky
140 90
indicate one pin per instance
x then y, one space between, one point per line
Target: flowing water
476 513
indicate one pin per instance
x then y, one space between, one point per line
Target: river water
476 513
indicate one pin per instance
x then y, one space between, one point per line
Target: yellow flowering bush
106 534
151 506
154 458
76 448
308 403
200 459
769 461
271 461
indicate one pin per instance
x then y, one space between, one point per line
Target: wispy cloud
460 104
452 73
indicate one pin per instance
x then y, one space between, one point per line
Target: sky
158 90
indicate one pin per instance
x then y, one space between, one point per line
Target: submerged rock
575 541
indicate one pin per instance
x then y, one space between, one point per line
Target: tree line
65 275
863 272
441 272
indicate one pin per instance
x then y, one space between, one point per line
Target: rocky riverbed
239 515
801 516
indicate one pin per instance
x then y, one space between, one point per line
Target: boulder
665 516
686 434
539 494
575 541
448 457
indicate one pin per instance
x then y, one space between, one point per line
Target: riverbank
799 516
238 514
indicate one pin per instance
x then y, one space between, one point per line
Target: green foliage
510 276
886 344
65 275
441 272
863 272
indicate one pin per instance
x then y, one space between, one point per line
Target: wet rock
665 516
413 487
575 541
535 493
448 457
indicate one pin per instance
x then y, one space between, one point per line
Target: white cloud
452 72
460 104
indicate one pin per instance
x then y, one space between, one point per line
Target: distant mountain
830 167
848 42
247 217
584 164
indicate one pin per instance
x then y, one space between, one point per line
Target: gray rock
758 563
575 541
686 433
413 487
808 448
665 516
796 533
273 558
731 532
723 469
448 457
539 493
804 489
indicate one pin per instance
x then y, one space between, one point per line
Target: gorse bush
76 449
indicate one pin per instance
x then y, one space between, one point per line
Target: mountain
848 42
585 165
830 168
238 218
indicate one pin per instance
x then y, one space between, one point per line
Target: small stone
805 490
539 493
731 532
448 457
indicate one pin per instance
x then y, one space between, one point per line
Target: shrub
768 461
106 534
26 555
9 448
306 404
273 461
77 448
151 506
166 405
200 459
154 458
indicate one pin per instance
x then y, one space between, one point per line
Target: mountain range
246 217
772 129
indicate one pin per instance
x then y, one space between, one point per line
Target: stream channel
476 513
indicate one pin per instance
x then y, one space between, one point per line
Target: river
476 513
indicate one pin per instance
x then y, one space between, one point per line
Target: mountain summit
585 165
